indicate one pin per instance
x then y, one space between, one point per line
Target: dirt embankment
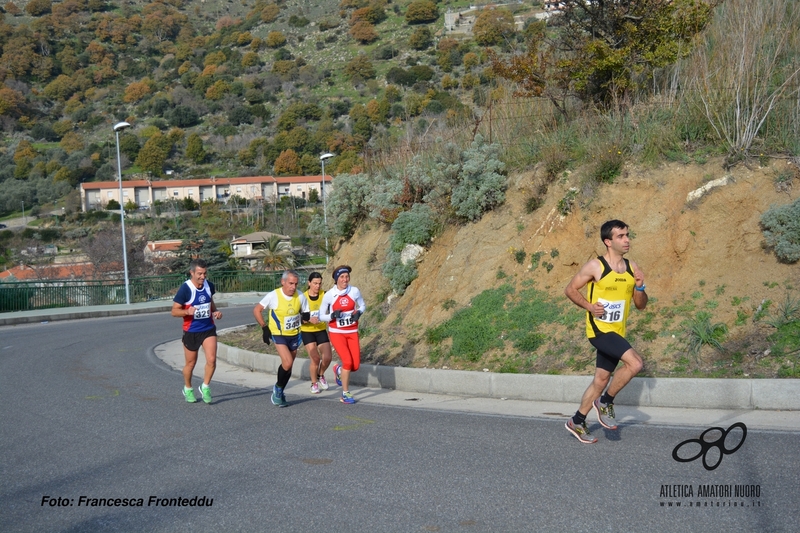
708 251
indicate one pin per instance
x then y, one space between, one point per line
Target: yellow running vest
615 291
314 307
285 320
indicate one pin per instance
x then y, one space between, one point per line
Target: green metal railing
46 294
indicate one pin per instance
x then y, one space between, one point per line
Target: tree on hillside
137 90
421 38
275 39
613 47
493 27
374 14
154 154
605 51
363 32
183 117
12 9
11 101
421 12
129 145
270 13
37 8
216 253
24 150
104 250
287 163
360 66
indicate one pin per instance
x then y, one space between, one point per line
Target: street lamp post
118 128
322 159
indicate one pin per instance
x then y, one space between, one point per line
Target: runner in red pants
342 306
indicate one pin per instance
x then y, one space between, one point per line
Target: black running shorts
610 349
315 337
194 340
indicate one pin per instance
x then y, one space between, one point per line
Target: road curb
696 393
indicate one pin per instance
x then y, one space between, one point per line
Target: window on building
175 193
110 194
191 193
238 189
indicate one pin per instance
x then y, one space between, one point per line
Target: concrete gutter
696 393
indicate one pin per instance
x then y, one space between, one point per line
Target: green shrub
786 313
399 275
533 203
700 331
781 228
535 258
346 206
565 204
608 166
481 181
413 227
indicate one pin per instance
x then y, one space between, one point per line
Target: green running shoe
188 394
205 391
277 397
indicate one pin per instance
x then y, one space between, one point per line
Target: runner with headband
342 306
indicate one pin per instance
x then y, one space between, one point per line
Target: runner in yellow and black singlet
314 333
613 284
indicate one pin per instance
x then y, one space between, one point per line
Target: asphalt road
90 412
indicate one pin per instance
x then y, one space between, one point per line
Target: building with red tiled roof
96 194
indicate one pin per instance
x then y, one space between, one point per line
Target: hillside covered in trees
224 88
426 124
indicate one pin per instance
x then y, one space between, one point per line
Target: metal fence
46 294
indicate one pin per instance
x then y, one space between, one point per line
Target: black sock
283 377
579 418
606 399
